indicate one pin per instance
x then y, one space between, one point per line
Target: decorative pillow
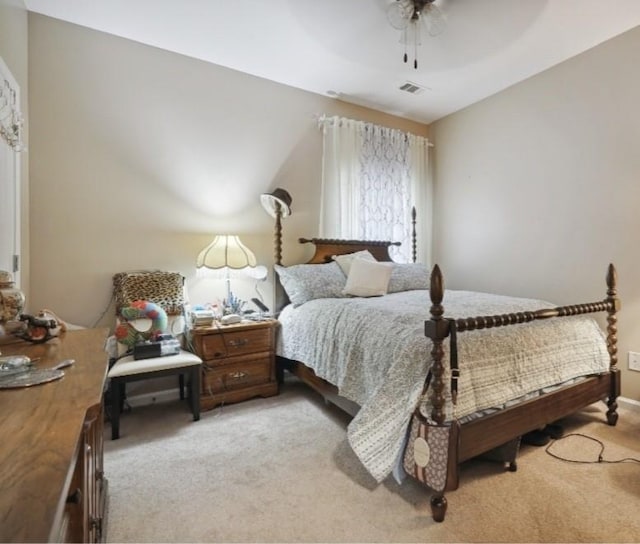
305 282
115 347
367 278
408 276
126 333
163 288
344 261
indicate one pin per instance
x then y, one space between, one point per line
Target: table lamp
228 256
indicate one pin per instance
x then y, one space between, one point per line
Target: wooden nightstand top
217 327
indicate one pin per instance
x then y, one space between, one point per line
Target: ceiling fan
410 16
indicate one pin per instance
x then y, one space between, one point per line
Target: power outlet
634 361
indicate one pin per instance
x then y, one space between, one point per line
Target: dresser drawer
237 375
232 343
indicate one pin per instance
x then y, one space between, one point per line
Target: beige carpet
280 470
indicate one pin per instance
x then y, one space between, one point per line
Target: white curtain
371 178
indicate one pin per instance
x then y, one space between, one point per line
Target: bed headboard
326 247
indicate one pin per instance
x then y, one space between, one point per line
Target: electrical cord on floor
600 459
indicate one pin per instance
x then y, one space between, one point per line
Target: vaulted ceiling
348 48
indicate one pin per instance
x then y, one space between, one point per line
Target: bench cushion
128 366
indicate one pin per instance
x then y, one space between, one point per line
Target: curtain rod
321 118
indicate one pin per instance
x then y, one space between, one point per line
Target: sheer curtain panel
371 178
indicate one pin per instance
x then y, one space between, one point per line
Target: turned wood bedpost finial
278 235
437 329
612 319
436 290
414 236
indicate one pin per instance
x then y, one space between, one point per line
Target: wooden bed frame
502 428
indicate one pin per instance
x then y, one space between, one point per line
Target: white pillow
368 278
344 261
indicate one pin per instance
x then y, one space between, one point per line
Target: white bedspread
375 351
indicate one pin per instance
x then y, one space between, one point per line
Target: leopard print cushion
166 289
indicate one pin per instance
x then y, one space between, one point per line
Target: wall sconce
278 205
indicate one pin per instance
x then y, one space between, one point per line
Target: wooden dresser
238 362
52 487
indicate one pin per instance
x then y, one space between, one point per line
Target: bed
567 363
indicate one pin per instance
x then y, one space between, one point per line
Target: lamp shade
226 251
271 201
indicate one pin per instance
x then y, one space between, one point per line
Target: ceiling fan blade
399 14
433 19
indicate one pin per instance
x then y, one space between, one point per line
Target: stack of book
202 318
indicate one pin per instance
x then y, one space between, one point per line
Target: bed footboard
508 424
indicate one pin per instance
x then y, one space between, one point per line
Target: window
372 177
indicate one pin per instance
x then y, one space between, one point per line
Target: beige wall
14 52
139 156
538 188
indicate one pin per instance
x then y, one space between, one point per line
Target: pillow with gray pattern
407 277
305 282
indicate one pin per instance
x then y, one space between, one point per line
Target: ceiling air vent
411 88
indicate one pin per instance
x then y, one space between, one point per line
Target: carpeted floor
280 470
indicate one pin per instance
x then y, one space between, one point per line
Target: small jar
11 298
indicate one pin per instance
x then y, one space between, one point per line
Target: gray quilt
375 351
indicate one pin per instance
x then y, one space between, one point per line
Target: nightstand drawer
236 376
240 342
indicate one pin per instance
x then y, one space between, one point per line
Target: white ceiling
348 46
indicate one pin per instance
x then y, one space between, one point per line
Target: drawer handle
238 375
239 343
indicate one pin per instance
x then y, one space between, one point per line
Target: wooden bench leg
116 399
194 391
181 385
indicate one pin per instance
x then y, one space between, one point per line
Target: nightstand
238 361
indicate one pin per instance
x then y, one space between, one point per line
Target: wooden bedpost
612 320
613 306
437 329
277 236
414 235
278 290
